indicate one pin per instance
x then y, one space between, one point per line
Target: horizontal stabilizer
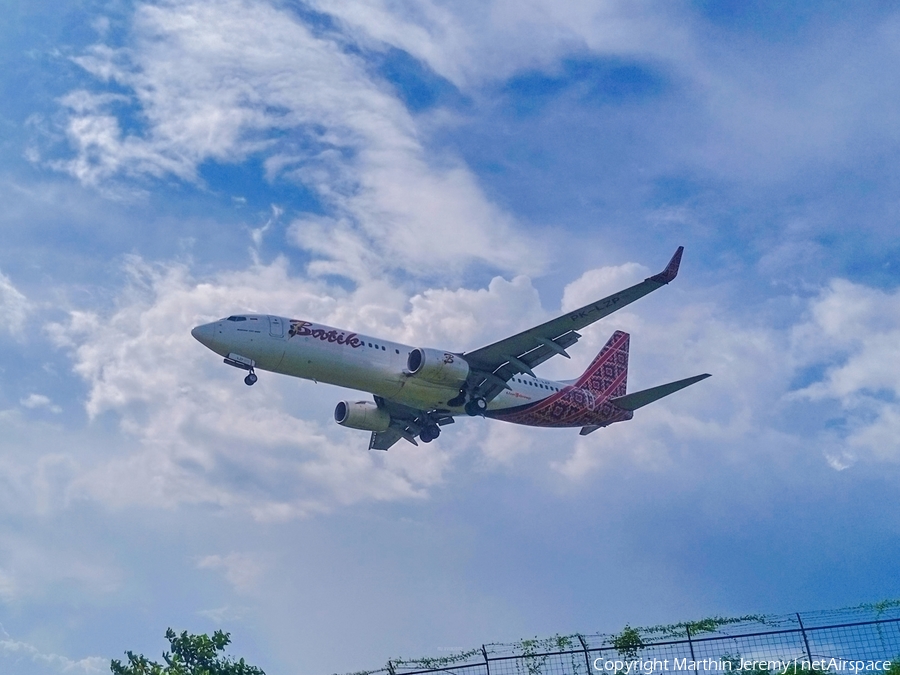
641 398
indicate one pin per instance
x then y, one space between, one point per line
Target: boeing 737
418 390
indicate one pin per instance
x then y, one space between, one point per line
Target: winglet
671 270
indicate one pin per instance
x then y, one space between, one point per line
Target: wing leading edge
492 366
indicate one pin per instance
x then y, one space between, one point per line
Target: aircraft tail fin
608 372
639 399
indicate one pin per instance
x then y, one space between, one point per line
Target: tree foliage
189 655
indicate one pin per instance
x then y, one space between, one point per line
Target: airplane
418 390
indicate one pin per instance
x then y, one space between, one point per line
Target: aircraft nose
205 334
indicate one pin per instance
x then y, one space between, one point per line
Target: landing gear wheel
429 433
476 406
251 379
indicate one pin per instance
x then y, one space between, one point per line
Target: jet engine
365 415
437 367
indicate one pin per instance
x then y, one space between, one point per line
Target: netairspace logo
792 667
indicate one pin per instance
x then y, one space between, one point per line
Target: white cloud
504 444
466 319
192 432
33 401
749 109
15 650
472 42
241 570
854 332
219 81
598 283
14 306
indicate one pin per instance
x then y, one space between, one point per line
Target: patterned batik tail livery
585 403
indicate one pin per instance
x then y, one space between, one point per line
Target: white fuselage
325 354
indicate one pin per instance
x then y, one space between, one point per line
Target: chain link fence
857 641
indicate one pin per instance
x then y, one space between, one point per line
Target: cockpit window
236 318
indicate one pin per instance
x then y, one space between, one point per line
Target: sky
442 174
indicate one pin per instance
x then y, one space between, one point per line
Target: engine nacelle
363 415
437 367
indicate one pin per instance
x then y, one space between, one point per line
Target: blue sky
444 174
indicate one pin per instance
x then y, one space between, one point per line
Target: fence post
687 627
805 641
487 665
587 658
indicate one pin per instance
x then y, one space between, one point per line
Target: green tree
189 655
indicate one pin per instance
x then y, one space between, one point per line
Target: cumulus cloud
466 319
853 334
598 283
192 433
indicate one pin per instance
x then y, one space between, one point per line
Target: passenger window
397 350
382 348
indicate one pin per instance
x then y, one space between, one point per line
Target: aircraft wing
492 366
406 422
382 440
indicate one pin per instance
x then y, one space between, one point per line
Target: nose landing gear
243 363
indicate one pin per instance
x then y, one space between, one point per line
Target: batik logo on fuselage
307 329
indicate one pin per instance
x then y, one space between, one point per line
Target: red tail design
586 402
608 372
